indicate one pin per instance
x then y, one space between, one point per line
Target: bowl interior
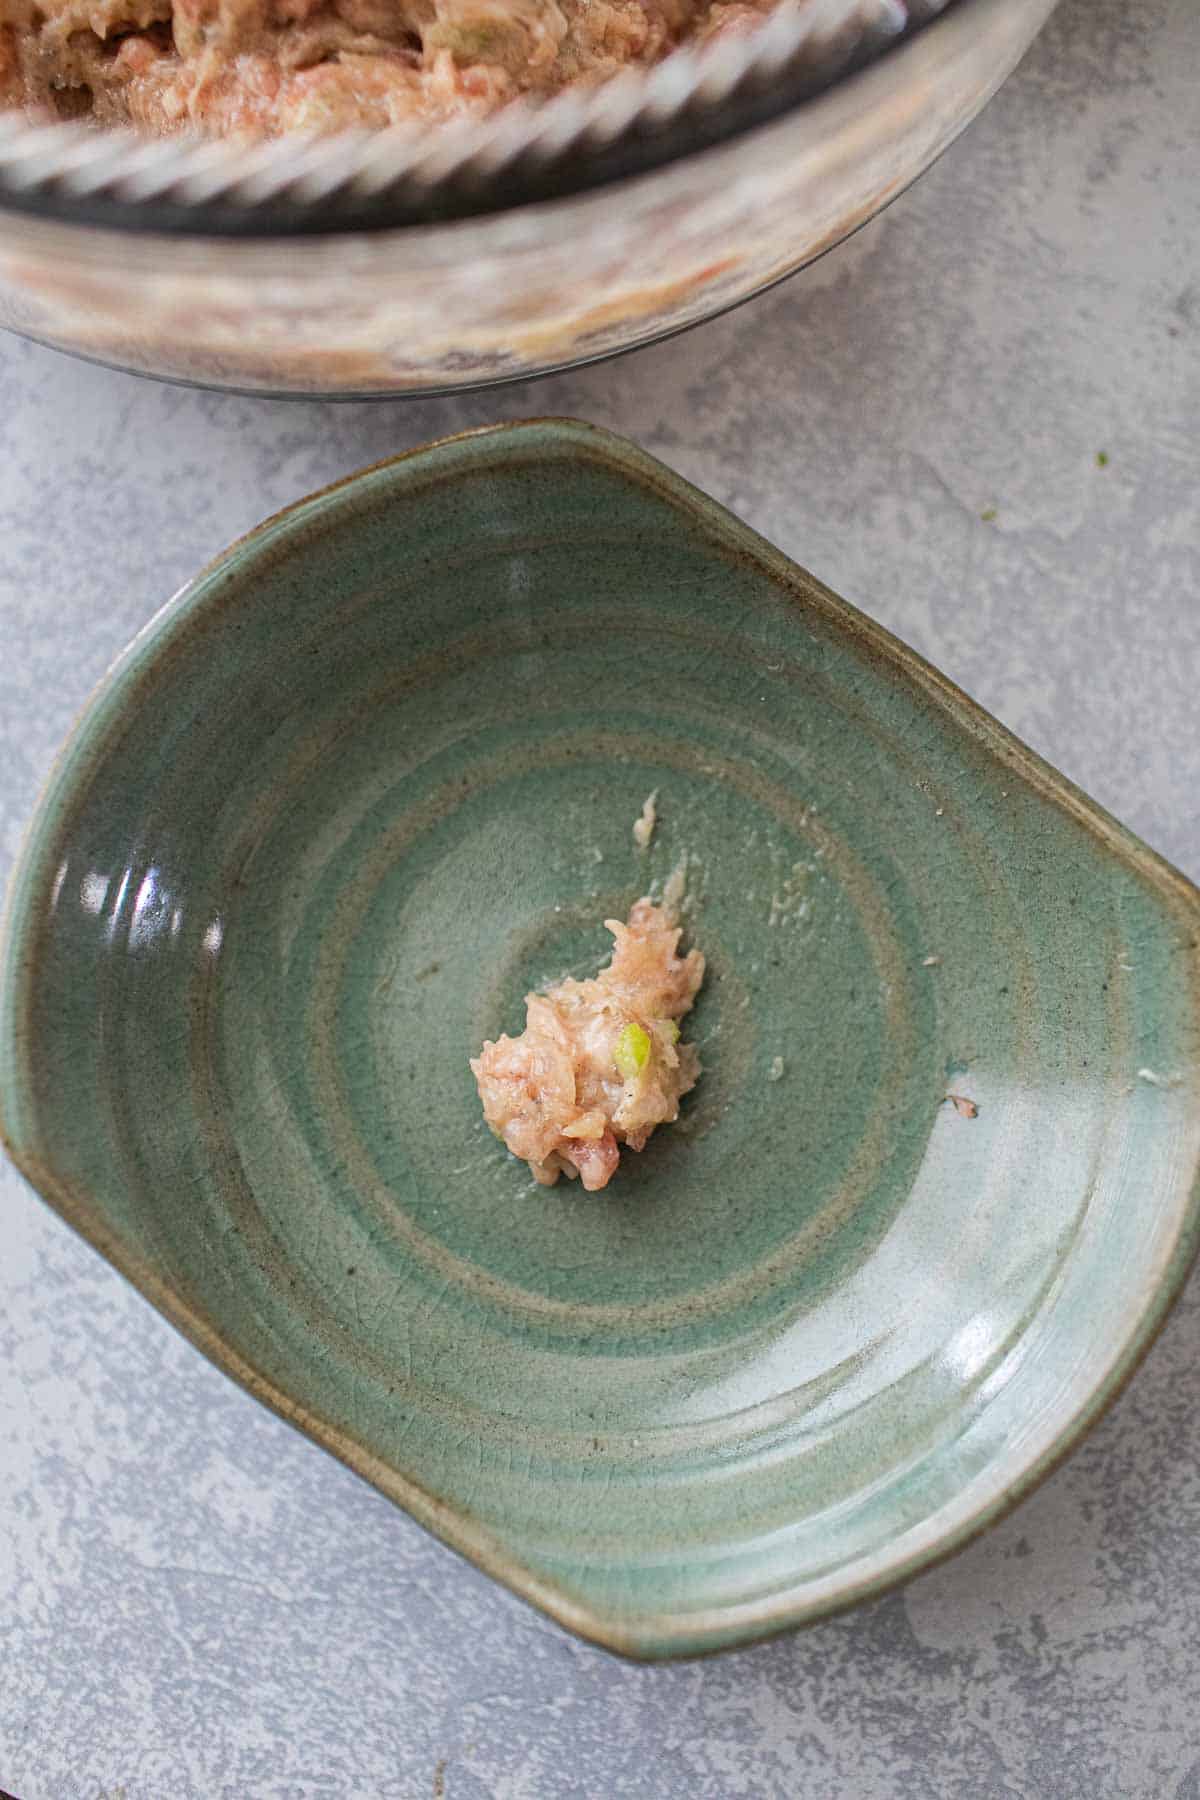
427 171
372 779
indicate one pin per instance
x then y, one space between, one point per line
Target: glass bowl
410 262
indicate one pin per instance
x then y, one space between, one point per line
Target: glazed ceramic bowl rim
938 1535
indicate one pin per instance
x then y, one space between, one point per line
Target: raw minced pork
599 1063
257 68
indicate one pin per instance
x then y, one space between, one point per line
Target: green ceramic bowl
373 776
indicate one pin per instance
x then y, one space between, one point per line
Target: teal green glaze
372 777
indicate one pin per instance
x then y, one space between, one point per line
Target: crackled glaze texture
368 782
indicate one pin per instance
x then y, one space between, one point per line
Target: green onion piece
631 1052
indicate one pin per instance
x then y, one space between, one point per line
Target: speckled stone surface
196 1603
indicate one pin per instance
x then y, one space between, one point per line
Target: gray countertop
195 1602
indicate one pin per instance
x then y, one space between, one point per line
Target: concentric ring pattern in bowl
373 777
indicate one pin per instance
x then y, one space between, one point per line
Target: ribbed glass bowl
425 261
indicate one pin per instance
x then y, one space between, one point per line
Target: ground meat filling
257 68
599 1063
